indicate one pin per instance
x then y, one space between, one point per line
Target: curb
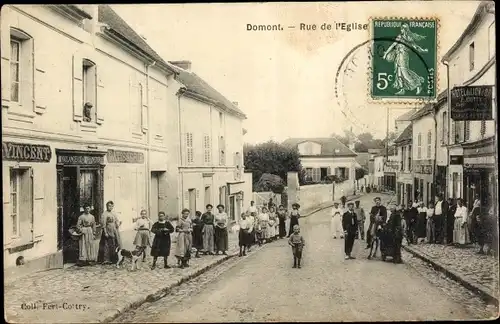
475 288
164 291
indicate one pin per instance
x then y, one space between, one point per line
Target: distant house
322 157
363 159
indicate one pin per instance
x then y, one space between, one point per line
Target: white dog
133 256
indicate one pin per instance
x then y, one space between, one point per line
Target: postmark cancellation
403 60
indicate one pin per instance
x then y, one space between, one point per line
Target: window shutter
77 87
329 171
100 103
5 49
346 173
466 130
41 82
38 204
143 92
6 202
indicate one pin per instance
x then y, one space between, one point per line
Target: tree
360 173
272 158
270 182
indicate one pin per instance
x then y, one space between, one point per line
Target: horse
375 240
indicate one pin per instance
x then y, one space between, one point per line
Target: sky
284 81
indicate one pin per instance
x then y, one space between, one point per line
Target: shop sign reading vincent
25 152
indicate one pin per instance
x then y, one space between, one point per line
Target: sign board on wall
25 152
472 103
456 159
115 156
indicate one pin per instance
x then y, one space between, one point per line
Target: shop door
70 212
155 194
232 207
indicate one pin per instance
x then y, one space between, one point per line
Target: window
429 144
471 56
419 146
189 148
21 200
466 130
136 101
15 67
206 149
88 90
491 40
21 75
222 149
409 158
445 127
316 174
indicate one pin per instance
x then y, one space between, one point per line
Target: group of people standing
265 224
448 222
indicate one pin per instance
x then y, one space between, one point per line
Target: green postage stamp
404 58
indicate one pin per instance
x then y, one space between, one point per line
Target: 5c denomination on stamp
404 58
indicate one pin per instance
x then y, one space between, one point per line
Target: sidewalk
98 293
478 273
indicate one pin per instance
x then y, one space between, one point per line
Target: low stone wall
313 195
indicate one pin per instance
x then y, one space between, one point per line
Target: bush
270 182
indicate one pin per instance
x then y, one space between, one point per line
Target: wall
442 134
313 195
52 119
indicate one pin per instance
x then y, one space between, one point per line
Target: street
264 287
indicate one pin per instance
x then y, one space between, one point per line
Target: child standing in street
297 242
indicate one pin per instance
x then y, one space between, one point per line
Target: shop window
89 90
21 200
207 149
189 148
471 56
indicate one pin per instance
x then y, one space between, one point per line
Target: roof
391 152
480 13
363 158
109 17
406 116
197 85
406 135
428 108
329 145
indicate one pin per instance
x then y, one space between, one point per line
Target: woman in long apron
294 218
263 226
272 224
221 235
111 234
87 227
421 223
208 230
197 234
143 235
184 240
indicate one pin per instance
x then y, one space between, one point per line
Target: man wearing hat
378 216
336 222
350 226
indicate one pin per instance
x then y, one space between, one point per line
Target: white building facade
87 114
472 144
211 169
404 176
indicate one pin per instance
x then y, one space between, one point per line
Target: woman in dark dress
294 218
282 221
161 242
450 220
198 233
421 229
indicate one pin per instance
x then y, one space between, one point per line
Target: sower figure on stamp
378 216
350 226
405 78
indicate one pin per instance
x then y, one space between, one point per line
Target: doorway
232 207
192 200
77 186
155 194
208 195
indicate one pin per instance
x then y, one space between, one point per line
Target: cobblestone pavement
91 294
264 287
477 269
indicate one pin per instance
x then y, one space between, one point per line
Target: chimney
185 65
91 25
235 103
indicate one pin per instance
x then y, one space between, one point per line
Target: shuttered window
429 144
207 156
21 204
419 146
189 148
444 136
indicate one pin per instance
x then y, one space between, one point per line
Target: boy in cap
350 226
297 242
336 222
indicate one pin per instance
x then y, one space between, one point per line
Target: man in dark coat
396 232
450 220
350 226
439 218
378 216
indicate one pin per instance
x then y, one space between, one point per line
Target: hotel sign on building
472 103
